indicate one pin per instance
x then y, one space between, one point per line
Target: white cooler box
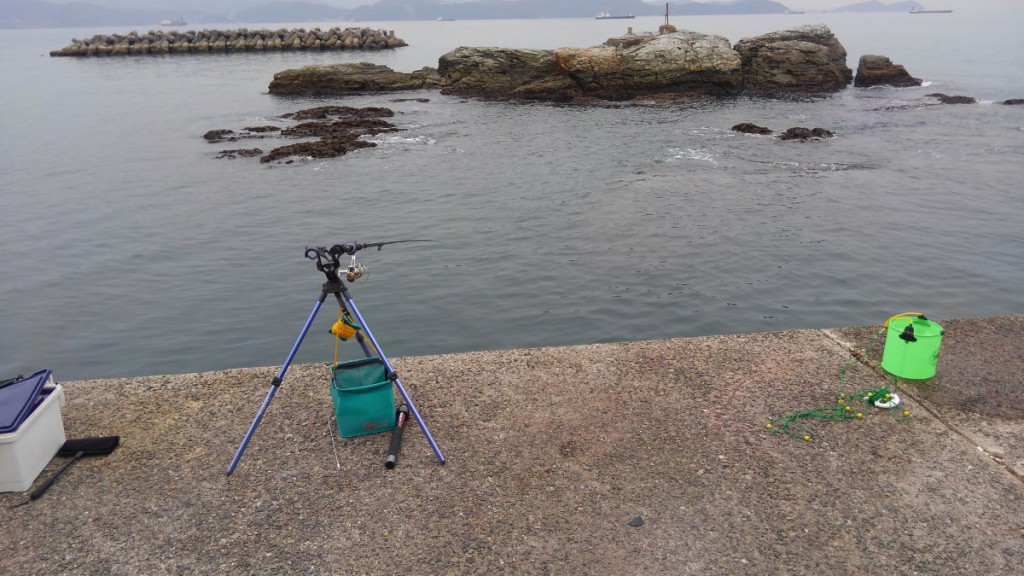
31 428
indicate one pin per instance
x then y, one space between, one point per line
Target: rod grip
396 437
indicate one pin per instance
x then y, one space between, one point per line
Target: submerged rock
804 134
261 129
231 136
876 70
748 128
334 112
954 99
1014 101
240 153
318 149
220 136
338 129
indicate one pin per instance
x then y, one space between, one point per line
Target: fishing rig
329 262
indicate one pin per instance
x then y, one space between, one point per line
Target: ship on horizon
607 16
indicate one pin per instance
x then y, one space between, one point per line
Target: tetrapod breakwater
229 41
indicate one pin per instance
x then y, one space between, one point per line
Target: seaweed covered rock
748 128
338 130
946 99
317 149
805 134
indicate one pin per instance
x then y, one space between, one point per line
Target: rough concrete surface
978 388
634 458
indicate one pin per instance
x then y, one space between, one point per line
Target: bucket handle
904 315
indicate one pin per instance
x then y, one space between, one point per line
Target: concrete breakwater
630 458
226 41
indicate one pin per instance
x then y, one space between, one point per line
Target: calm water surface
128 249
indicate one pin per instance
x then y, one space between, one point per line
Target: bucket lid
18 398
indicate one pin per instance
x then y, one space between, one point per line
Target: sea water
128 248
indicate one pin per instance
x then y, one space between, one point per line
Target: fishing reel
355 270
328 260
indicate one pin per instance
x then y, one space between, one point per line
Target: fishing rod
328 261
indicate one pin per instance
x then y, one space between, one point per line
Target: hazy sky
228 5
931 4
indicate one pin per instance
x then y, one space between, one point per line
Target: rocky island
671 65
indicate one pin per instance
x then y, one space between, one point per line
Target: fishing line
330 432
884 398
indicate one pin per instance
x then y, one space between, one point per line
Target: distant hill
41 14
292 12
876 6
502 9
45 14
36 14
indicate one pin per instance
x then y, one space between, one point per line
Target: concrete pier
634 458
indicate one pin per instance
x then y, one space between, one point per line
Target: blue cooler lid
19 398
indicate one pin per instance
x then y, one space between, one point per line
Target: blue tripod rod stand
328 262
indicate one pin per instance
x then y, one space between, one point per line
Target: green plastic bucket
364 398
912 347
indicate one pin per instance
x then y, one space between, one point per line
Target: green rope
843 409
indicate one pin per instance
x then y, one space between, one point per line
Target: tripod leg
351 305
274 384
362 343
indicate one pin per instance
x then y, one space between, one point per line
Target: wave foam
692 154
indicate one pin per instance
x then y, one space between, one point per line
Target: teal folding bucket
364 397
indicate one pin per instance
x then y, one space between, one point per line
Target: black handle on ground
100 446
46 485
396 437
